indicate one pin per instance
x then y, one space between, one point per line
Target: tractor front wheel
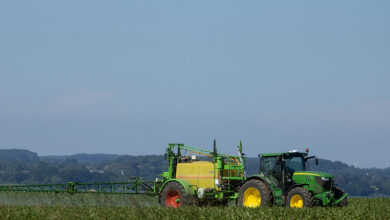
299 197
173 195
254 193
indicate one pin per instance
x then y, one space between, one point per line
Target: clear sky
128 77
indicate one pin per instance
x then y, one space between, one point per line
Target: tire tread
173 185
265 192
308 200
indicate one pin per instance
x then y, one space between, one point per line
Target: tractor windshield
295 163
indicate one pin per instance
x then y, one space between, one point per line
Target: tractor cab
280 167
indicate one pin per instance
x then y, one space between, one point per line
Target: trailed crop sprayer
206 177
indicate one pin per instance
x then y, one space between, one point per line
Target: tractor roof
283 153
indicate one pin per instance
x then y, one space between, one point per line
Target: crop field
19 205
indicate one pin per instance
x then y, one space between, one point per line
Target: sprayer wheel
173 195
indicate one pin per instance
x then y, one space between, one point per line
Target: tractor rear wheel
254 193
173 195
299 197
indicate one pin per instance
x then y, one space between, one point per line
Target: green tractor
284 180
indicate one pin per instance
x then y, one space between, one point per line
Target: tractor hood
312 173
316 182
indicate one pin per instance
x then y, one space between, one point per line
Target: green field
19 205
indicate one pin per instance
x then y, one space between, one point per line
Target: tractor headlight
325 179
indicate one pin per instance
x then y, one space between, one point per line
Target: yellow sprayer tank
199 173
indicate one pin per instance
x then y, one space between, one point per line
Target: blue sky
128 77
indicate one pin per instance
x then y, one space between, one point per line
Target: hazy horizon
162 154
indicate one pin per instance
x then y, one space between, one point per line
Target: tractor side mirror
317 161
278 160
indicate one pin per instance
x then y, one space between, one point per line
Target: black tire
173 195
304 197
338 193
258 187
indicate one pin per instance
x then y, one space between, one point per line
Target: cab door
273 171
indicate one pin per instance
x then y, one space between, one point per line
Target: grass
16 205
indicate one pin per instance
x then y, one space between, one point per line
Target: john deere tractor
284 180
